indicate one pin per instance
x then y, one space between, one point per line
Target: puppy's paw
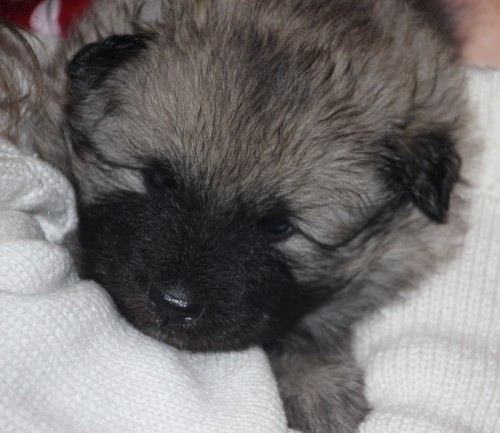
321 394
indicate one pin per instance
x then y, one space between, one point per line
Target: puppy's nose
172 306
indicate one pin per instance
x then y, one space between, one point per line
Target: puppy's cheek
93 182
305 260
125 278
106 237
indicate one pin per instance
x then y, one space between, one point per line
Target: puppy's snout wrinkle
172 306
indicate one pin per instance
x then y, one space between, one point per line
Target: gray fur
312 102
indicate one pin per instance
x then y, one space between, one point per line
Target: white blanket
69 363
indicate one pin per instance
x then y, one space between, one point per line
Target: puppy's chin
203 334
199 337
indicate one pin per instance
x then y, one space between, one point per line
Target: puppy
260 172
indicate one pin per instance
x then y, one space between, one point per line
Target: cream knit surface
432 363
69 363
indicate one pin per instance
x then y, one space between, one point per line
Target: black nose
171 305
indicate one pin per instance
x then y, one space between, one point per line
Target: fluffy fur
281 167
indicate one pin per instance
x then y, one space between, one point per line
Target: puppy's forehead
242 118
284 149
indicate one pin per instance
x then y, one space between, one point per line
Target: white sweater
70 364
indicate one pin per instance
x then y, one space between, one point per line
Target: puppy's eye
160 180
278 228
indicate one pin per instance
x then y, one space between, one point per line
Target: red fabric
18 11
71 10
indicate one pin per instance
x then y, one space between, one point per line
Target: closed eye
276 227
160 180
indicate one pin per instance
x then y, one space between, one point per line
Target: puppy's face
231 183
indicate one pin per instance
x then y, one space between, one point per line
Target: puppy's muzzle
172 306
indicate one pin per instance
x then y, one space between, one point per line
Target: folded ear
427 170
94 61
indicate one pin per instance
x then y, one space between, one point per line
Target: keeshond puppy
260 172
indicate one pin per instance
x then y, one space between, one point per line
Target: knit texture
432 362
70 364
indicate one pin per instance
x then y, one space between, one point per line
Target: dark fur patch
94 61
220 257
427 171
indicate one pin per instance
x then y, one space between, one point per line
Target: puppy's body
277 168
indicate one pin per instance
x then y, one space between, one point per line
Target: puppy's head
235 175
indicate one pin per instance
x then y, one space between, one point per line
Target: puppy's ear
427 170
94 61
